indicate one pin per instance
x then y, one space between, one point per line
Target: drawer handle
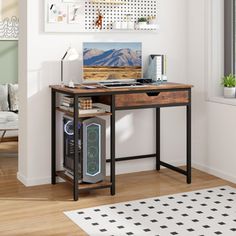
153 94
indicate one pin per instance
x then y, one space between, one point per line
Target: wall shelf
80 16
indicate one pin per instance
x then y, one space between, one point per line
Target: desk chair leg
188 144
113 145
158 138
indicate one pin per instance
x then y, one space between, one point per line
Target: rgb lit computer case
92 161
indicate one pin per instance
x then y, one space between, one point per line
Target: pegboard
112 11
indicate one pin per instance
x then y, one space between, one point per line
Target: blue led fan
69 127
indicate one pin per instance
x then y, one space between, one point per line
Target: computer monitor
112 61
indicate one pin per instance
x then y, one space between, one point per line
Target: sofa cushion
8 120
13 97
4 106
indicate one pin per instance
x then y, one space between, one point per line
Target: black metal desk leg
113 145
158 138
53 137
188 143
76 154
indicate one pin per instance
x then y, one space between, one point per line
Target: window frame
229 36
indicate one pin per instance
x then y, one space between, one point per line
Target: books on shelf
86 106
65 104
91 111
103 106
84 103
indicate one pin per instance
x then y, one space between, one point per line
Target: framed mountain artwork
9 20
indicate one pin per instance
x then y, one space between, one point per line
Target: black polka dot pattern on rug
198 213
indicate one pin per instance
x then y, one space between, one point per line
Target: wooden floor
39 210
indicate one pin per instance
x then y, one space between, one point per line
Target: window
230 37
220 53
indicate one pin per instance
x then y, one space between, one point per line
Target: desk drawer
154 98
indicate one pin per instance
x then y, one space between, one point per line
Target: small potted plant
142 22
229 83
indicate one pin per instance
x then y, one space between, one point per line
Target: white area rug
204 212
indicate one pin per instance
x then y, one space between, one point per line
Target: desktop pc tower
92 161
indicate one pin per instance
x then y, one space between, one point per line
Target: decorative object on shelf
116 25
142 23
73 16
229 83
86 103
70 55
9 21
130 22
152 20
57 12
147 23
99 20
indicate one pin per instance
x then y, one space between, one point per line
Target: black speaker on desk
92 161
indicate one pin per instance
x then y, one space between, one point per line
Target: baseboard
21 178
34 181
215 172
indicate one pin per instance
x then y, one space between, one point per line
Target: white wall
196 76
214 126
43 54
222 140
23 108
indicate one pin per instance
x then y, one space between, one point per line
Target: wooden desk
151 96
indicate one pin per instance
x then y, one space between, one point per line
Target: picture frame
57 12
9 20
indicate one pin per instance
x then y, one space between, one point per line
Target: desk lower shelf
84 186
89 115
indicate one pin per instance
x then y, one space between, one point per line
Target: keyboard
122 84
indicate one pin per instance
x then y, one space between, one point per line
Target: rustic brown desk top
80 90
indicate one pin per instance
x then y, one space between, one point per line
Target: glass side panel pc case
92 146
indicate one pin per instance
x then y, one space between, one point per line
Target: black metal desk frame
113 158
